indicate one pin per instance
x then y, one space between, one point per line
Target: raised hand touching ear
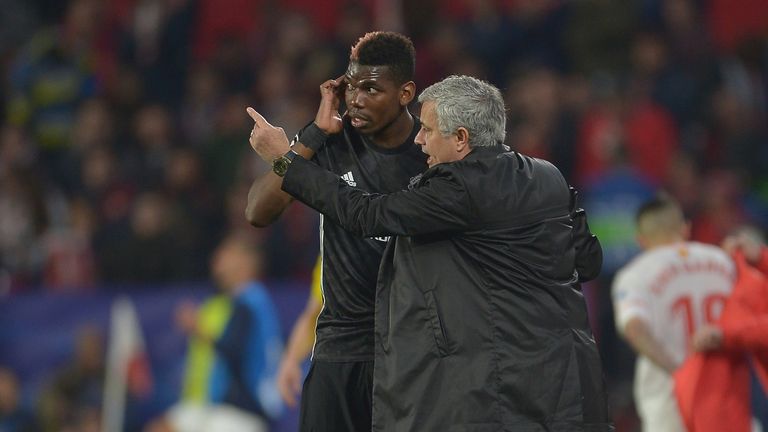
328 118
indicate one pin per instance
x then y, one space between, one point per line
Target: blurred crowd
123 143
123 150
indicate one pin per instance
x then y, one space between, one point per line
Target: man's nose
355 100
419 139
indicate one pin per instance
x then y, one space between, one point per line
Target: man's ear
686 231
407 93
462 140
642 241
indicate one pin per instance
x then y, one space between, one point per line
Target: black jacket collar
477 153
486 152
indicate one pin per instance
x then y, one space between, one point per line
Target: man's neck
239 284
665 242
394 134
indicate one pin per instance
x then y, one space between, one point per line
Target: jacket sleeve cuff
312 137
300 175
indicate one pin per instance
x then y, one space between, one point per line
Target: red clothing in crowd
647 136
218 20
733 21
712 389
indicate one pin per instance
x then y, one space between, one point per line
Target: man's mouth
358 121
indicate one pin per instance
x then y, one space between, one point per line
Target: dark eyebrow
364 82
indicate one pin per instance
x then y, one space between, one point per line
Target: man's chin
365 128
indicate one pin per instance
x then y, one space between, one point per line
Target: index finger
338 81
258 118
340 87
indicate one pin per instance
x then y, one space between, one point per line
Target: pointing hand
268 141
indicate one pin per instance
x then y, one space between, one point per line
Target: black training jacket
480 322
350 264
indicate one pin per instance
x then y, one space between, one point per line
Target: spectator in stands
154 138
13 416
75 393
70 263
54 74
23 220
148 248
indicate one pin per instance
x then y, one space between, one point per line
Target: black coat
480 322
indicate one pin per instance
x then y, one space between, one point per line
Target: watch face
280 165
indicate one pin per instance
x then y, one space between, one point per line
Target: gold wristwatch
281 164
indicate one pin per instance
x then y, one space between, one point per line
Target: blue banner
38 333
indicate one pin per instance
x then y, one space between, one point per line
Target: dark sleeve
439 204
234 338
589 253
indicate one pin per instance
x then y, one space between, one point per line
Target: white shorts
191 417
660 413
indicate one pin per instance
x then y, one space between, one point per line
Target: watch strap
290 155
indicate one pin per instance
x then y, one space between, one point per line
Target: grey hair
464 101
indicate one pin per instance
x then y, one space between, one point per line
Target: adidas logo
349 179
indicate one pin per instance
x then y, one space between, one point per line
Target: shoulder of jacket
544 164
